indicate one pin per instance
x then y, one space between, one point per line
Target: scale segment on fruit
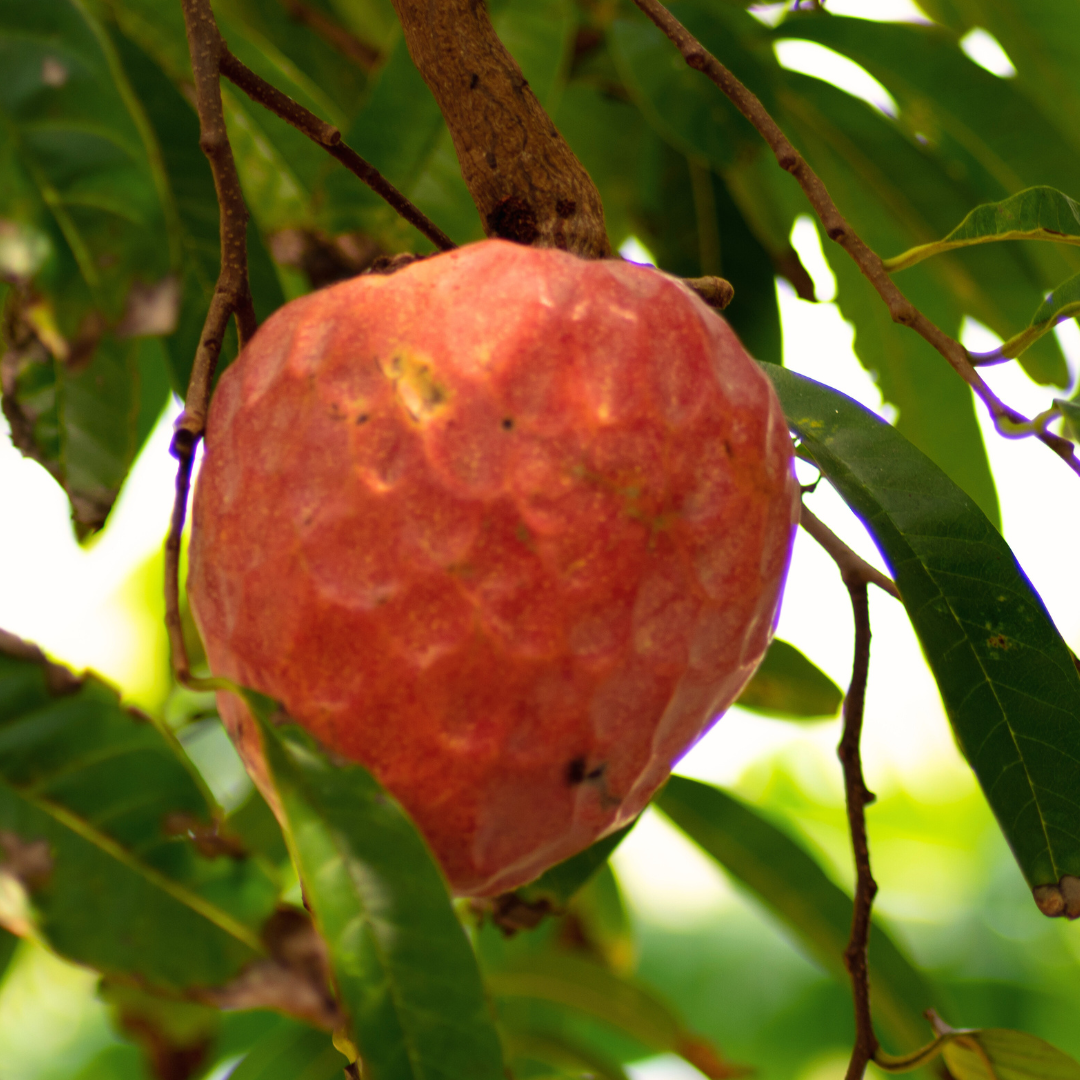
508 527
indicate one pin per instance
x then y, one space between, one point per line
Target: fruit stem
523 177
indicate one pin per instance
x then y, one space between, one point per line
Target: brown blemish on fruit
508 423
415 386
577 772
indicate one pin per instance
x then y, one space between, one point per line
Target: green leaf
1008 682
587 987
8 944
561 1051
986 139
690 112
86 167
537 34
97 812
86 425
891 189
293 1054
1063 303
407 977
563 880
1038 213
90 225
788 880
790 686
401 132
1071 411
999 1054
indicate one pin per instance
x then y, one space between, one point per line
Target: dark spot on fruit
578 772
362 418
513 219
474 81
565 208
727 448
508 423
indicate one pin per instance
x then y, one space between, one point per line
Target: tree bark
526 182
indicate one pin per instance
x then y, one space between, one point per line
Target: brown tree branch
837 228
231 299
523 177
329 137
858 798
854 569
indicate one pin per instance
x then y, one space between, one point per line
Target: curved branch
837 228
858 798
231 299
328 137
854 569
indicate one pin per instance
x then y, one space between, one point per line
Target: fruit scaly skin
508 527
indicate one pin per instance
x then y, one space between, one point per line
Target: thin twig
858 798
837 228
232 298
360 52
854 569
329 137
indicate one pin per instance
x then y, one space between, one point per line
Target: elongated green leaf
407 977
790 686
1006 677
891 190
92 233
688 110
792 884
1071 411
562 881
87 425
293 1054
588 987
985 138
1063 303
90 168
1038 213
97 814
998 1054
559 1050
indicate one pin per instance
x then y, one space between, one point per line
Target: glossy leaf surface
406 974
97 811
791 883
1039 213
788 685
1006 677
294 1054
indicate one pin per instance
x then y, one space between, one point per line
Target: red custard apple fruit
508 527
